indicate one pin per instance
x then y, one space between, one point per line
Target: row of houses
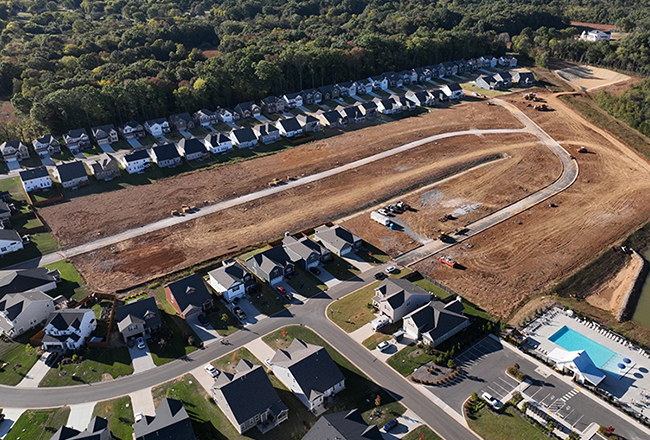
505 80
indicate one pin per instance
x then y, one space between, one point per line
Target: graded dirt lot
589 78
609 295
524 255
141 259
527 167
88 218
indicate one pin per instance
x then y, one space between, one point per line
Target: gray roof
33 173
503 76
14 303
133 124
76 133
189 291
270 100
145 310
229 274
335 236
217 138
10 235
311 366
71 170
397 291
266 129
303 247
171 422
269 259
97 430
23 280
102 129
248 392
435 319
290 124
346 425
245 106
332 116
65 318
244 134
306 119
48 139
181 116
156 121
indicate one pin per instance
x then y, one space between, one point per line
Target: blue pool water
602 357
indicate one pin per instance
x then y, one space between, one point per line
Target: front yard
15 188
383 334
372 254
266 299
408 359
38 424
360 391
306 284
119 413
172 340
222 320
20 358
506 426
352 312
422 433
340 269
98 365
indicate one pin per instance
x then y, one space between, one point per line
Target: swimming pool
571 340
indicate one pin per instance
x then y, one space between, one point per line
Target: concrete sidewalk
80 415
11 415
35 375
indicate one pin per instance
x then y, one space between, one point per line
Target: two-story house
488 82
272 265
138 318
72 174
346 425
105 134
303 251
68 329
266 133
289 127
309 372
217 143
330 92
421 98
192 149
309 123
189 296
436 322
35 179
136 162
337 239
106 168
348 88
14 151
171 422
97 430
523 78
132 130
10 241
351 114
243 137
379 82
505 78
23 311
292 100
363 87
488 61
312 96
205 117
231 280
272 104
165 155
157 127
368 109
248 110
181 121
17 281
46 146
396 298
330 118
77 140
225 115
453 90
386 106
248 398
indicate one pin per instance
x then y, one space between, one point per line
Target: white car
138 416
384 345
391 269
491 400
268 363
213 372
141 344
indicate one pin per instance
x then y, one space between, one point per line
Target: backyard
352 312
119 414
72 286
360 392
372 254
95 365
40 244
39 424
506 426
19 356
15 188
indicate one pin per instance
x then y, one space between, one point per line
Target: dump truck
529 96
175 213
185 208
381 219
403 206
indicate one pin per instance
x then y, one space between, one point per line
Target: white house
225 115
22 311
362 87
292 100
396 298
488 61
35 178
435 322
386 106
10 241
67 329
289 127
14 151
309 372
595 35
231 280
379 82
136 162
453 91
243 137
218 143
157 127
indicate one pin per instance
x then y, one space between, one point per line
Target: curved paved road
311 313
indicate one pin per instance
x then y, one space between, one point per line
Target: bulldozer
530 96
276 182
174 213
583 150
541 107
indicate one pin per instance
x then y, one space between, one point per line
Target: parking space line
506 391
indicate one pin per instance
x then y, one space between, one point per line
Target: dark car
390 425
203 319
240 313
314 270
50 359
380 275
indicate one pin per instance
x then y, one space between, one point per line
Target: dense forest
632 107
68 63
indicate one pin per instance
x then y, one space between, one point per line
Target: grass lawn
121 144
271 116
228 362
422 430
382 93
295 111
351 312
372 255
71 285
223 326
175 334
266 299
340 268
40 244
25 223
198 131
147 140
15 188
94 150
507 426
359 391
96 363
44 194
348 100
306 284
408 359
20 359
243 257
39 424
174 136
489 93
428 286
63 155
383 334
119 413
313 107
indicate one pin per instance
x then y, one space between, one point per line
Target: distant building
71 174
595 35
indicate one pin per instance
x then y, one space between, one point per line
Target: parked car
213 372
49 358
282 290
380 275
268 363
240 313
391 269
314 270
203 319
141 344
390 425
384 345
382 211
491 400
138 416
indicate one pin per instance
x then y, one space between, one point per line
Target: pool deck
631 388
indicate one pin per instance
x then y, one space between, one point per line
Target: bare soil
86 218
525 255
590 77
609 295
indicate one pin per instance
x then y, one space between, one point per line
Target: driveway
47 161
205 332
210 128
134 143
13 165
327 278
407 423
141 358
35 375
186 134
263 119
11 415
252 314
298 298
161 140
80 415
142 402
106 148
358 262
260 350
80 156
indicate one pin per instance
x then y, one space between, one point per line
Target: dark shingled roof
65 318
97 430
229 274
23 280
136 155
191 146
145 309
71 170
397 290
346 425
435 319
166 152
190 291
171 422
10 234
248 392
33 173
244 134
290 124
